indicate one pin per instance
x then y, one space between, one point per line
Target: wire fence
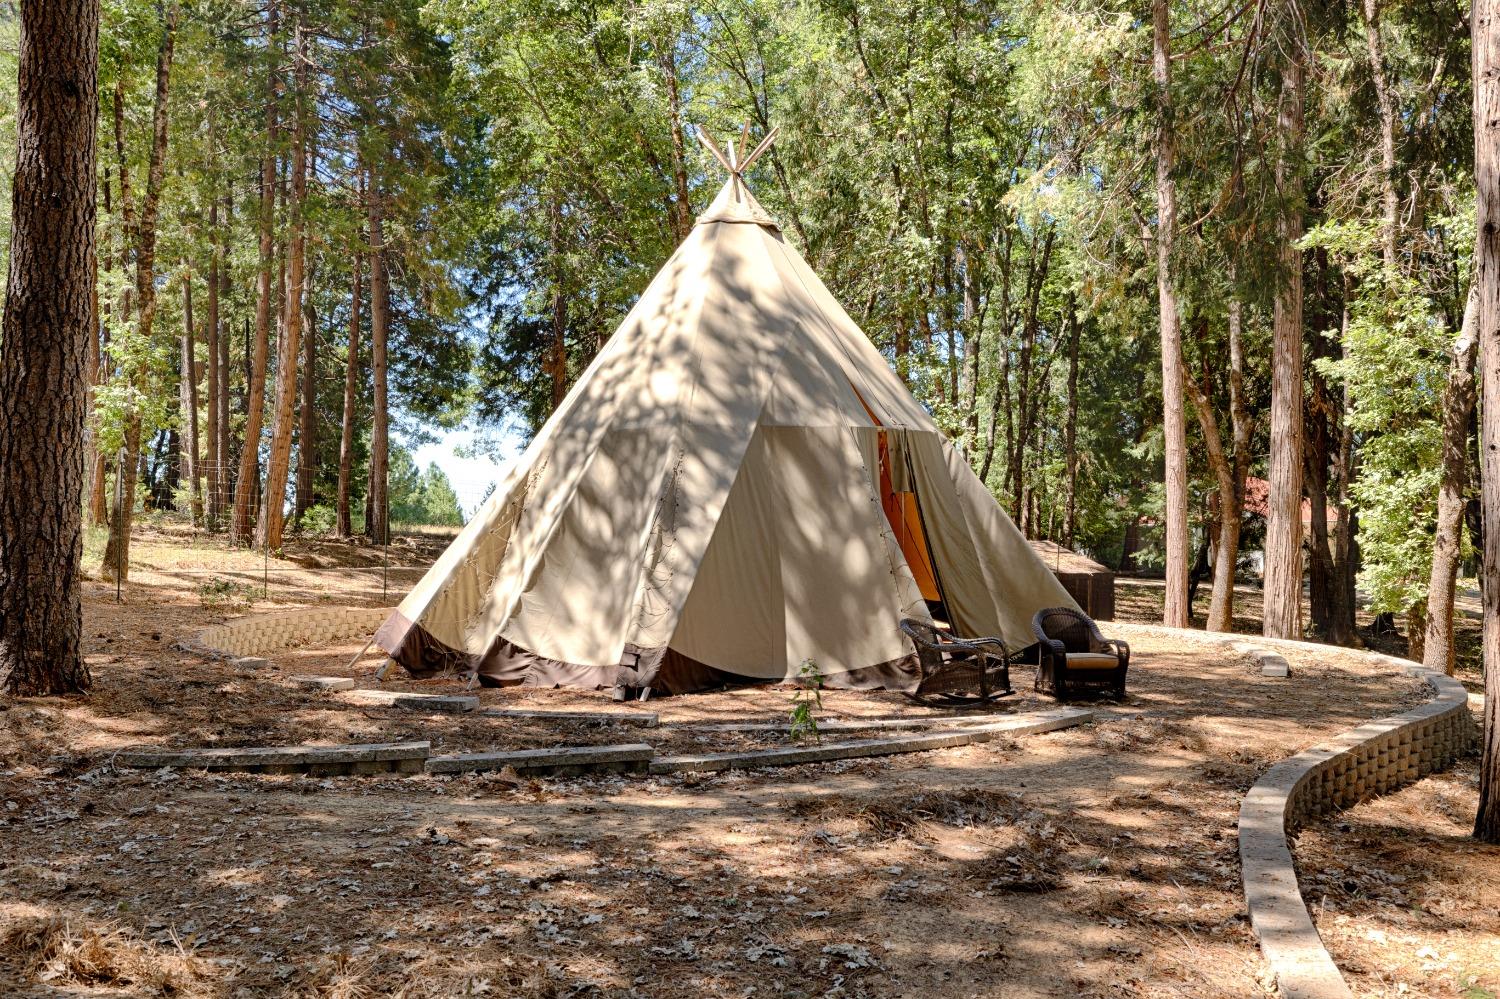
209 517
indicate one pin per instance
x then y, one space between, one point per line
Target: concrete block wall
262 633
1375 758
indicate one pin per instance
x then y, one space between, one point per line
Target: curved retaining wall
261 633
1376 758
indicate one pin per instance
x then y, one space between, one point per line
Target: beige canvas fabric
709 492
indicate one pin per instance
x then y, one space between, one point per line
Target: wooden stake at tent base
361 653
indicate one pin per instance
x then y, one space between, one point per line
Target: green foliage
226 596
970 180
423 498
807 698
319 520
1395 348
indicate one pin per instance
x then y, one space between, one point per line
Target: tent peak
737 161
735 203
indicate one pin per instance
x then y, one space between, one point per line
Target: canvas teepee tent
738 483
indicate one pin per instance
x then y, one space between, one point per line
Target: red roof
1257 501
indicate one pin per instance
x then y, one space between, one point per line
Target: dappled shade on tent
737 484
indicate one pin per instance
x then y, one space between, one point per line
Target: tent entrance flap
899 501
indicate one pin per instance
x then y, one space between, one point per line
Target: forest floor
1098 861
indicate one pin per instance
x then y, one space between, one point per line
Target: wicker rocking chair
1072 655
957 671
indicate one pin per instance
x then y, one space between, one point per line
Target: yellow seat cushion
1092 660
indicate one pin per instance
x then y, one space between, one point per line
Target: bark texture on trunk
351 387
1458 407
49 318
1174 423
1341 629
682 216
227 456
1375 52
1229 473
557 360
212 458
307 423
1319 419
377 512
1283 568
289 344
247 482
1070 429
1025 398
1486 55
187 400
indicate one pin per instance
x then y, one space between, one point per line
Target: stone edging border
1374 758
260 633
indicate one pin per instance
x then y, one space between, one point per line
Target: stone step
1271 664
557 762
372 758
643 719
452 703
325 682
1031 722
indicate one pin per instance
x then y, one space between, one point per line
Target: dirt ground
1099 861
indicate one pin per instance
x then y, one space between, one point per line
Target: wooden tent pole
709 145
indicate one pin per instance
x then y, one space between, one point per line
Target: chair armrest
1120 648
985 641
1052 647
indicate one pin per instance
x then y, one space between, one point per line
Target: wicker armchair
957 670
1073 656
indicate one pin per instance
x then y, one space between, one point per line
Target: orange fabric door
906 521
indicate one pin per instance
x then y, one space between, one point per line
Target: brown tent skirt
661 670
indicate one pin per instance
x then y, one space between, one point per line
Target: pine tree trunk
1232 491
351 386
187 400
973 325
1458 406
97 465
307 424
49 319
1321 579
1485 23
1025 401
557 363
1317 448
1002 378
212 457
1174 425
227 454
1070 430
1389 203
92 367
1224 468
1130 545
1341 623
247 482
1283 564
682 220
289 344
377 525
117 549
